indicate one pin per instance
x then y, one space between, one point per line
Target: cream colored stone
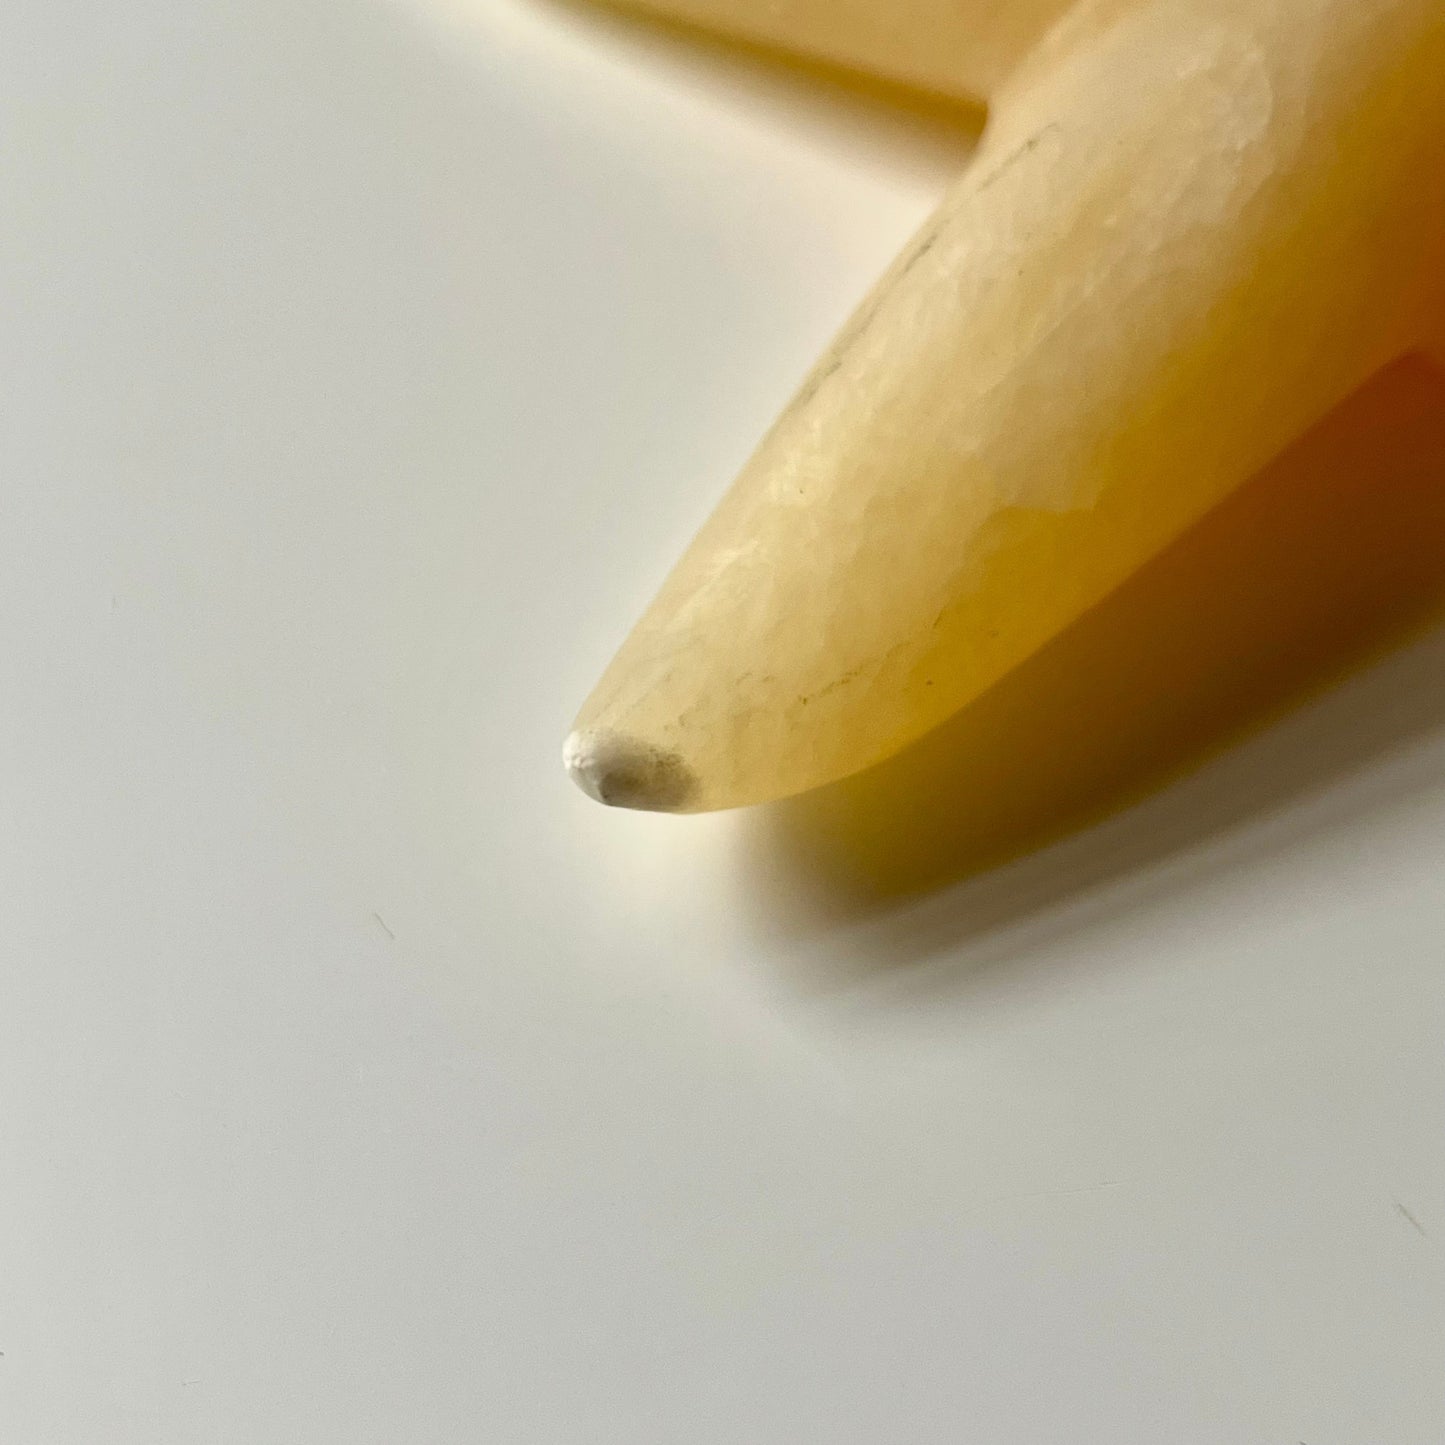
959 48
1192 228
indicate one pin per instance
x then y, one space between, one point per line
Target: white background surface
364 363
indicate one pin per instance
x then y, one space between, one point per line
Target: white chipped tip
624 773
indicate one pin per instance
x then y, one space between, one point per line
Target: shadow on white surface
1332 556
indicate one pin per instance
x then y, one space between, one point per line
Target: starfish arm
1184 240
958 48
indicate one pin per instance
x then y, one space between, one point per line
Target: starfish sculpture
1191 229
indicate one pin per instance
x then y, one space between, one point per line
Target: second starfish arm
963 49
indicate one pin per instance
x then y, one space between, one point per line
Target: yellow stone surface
959 48
1192 228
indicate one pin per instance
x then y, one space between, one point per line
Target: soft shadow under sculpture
1332 554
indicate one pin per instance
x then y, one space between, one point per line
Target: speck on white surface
364 363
